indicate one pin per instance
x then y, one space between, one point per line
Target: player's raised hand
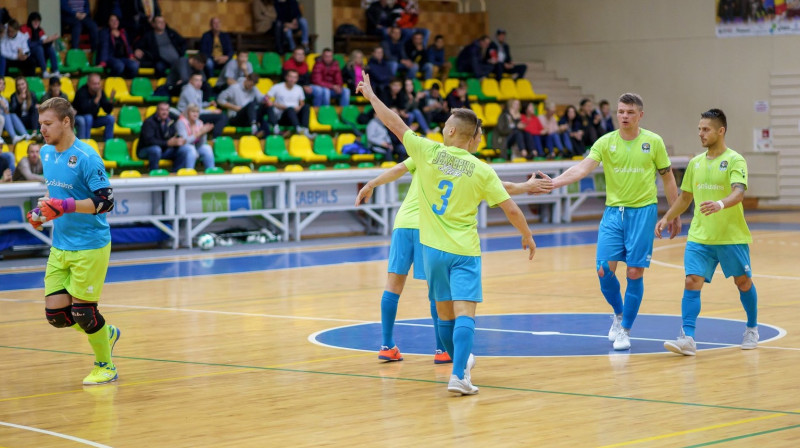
364 87
35 219
364 194
539 183
529 245
54 208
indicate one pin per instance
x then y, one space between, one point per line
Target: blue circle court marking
557 334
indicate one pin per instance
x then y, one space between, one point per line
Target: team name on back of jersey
452 165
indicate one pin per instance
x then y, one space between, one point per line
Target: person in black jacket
158 140
151 54
23 103
471 58
137 16
499 55
89 99
216 46
179 75
380 16
289 20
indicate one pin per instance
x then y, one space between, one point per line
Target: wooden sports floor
277 348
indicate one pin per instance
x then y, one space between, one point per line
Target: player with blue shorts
452 183
716 180
631 157
78 196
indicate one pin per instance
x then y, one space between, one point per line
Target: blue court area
529 335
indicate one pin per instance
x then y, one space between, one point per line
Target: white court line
56 434
680 266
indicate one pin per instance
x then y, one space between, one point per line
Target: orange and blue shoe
442 357
390 354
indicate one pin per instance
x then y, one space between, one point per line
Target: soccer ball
205 241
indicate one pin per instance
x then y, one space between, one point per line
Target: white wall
667 51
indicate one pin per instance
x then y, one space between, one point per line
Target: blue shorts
702 259
626 234
405 250
451 276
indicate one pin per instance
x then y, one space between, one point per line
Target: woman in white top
195 132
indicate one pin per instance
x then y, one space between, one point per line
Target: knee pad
87 317
60 317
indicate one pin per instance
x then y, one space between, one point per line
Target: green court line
744 436
417 380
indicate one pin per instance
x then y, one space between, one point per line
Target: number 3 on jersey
447 186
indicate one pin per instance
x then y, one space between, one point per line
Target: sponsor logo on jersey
73 160
46 157
709 187
613 148
58 183
723 165
628 170
645 147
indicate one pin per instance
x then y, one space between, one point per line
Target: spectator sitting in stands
416 51
353 71
158 140
571 123
289 20
380 72
606 117
15 51
408 17
41 45
6 172
54 89
160 47
555 139
194 132
499 55
75 15
30 167
437 58
327 78
471 58
289 99
11 122
381 141
509 133
264 16
216 46
192 93
380 17
234 72
89 99
183 68
412 105
534 130
298 63
247 106
24 105
434 106
395 52
114 51
591 121
137 17
458 98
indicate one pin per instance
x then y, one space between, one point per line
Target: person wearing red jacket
326 78
533 130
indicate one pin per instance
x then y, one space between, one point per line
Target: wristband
69 205
721 204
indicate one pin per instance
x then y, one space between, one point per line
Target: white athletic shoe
468 368
623 340
684 345
750 340
616 327
463 387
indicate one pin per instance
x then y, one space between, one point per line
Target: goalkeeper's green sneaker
102 373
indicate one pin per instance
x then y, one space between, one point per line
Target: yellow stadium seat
489 87
388 164
122 92
129 174
212 81
187 172
482 144
68 88
313 123
435 136
264 84
11 87
151 110
344 139
300 146
161 82
250 148
21 149
449 85
508 90
106 163
363 157
489 152
241 169
293 167
478 109
519 160
311 58
147 71
430 82
492 112
525 92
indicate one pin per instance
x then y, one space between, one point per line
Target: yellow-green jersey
452 183
408 215
630 167
711 180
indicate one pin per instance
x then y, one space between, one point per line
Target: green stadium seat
76 61
129 117
144 88
82 81
215 170
225 151
327 115
267 169
116 150
454 73
271 64
159 172
341 166
323 145
316 167
350 115
276 146
255 60
36 86
417 85
366 165
340 59
475 92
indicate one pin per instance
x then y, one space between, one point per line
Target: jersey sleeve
494 192
95 174
596 153
660 156
411 165
416 146
738 171
686 184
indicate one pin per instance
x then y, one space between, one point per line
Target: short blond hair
61 107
